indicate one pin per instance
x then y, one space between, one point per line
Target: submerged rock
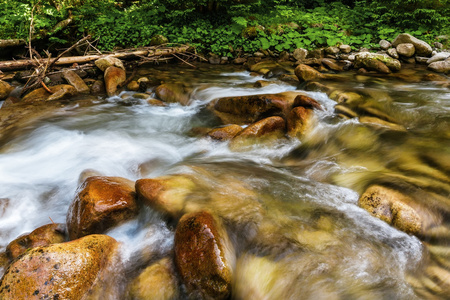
248 109
156 282
101 203
224 133
397 209
72 270
42 236
173 93
204 256
165 194
299 121
263 131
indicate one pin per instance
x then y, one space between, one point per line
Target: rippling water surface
316 242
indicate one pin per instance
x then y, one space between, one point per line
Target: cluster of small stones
404 47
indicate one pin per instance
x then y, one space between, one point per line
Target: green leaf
264 43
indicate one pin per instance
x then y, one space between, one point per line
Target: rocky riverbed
319 175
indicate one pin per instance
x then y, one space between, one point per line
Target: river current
310 188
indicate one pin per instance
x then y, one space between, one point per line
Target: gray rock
440 66
406 49
345 48
385 45
438 45
422 48
377 62
393 53
300 54
108 61
438 57
332 50
76 81
421 60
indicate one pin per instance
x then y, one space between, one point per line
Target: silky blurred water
299 183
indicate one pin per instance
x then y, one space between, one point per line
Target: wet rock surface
42 236
60 271
204 256
101 203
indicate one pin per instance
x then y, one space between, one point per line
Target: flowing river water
317 244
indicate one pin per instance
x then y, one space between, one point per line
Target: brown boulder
224 133
263 131
307 102
133 86
5 89
204 256
165 194
59 92
73 79
173 93
307 73
114 77
299 121
101 202
156 282
42 236
69 270
397 209
249 109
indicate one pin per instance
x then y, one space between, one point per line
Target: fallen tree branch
148 52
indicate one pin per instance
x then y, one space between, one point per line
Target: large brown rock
224 133
59 92
307 73
5 89
173 93
73 79
71 270
42 236
249 109
101 203
165 194
263 131
299 121
397 209
422 48
156 282
204 256
307 102
114 77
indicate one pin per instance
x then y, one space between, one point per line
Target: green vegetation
227 27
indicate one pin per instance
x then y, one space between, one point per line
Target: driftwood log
148 52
